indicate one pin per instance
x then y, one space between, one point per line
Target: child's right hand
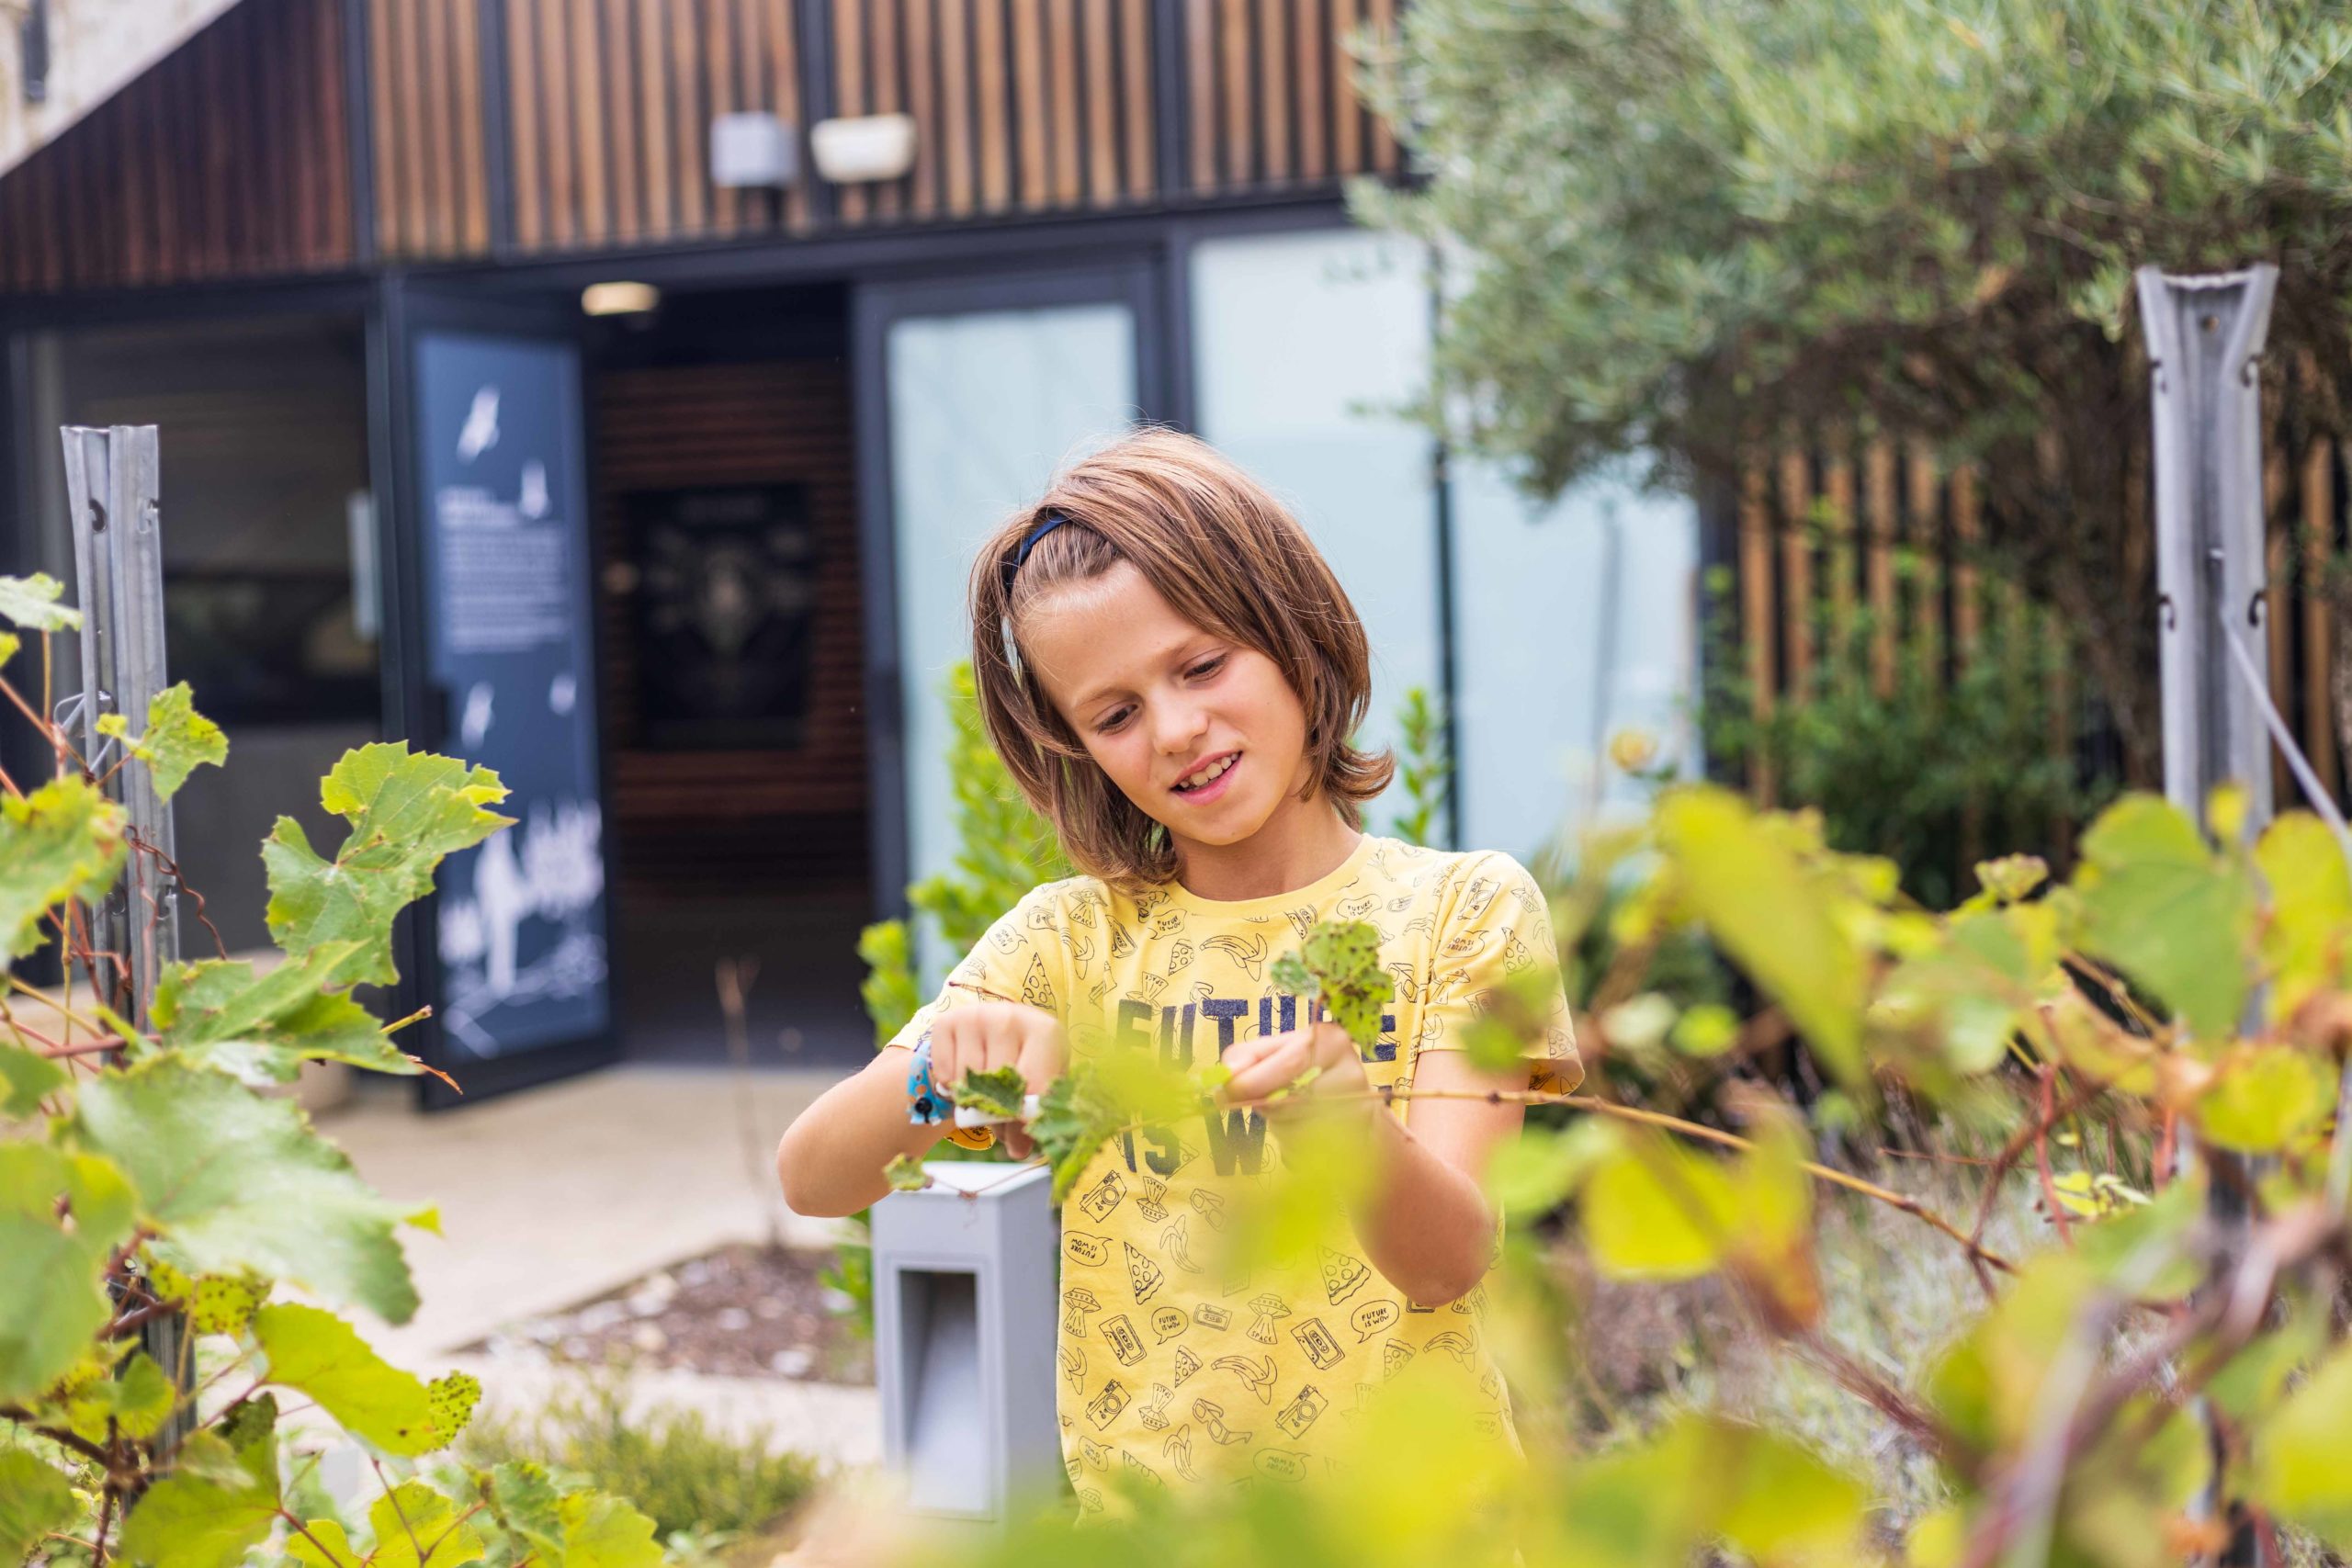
983 1036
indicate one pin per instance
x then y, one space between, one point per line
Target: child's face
1155 698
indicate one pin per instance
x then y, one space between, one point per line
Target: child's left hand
1264 1064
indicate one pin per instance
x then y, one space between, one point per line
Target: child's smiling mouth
1220 770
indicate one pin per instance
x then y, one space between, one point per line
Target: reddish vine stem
2042 1154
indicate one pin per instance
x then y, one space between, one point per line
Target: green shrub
696 1483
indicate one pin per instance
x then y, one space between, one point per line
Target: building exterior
688 574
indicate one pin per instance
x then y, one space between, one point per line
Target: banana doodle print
1175 1366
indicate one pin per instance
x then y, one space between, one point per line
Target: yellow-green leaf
1772 915
406 814
217 1505
31 602
34 1500
2261 1097
319 1354
1658 1212
52 1268
63 841
2297 1463
2311 909
26 1079
2161 906
176 741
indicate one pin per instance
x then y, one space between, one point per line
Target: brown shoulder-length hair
1230 559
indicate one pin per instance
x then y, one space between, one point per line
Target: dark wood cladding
1020 105
1272 93
780 422
610 104
432 172
230 158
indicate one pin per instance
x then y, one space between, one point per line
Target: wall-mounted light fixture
863 150
619 298
752 150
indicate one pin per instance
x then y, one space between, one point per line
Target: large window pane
1301 341
984 408
1572 621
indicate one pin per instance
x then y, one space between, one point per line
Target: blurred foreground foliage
2141 1375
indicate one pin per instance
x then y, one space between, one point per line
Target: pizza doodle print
1174 1368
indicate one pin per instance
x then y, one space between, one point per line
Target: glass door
974 392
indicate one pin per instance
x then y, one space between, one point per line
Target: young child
1172 674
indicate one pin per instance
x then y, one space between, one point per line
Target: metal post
2205 342
112 490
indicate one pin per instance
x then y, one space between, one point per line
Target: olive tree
1693 226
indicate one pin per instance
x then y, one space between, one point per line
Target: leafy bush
154 1206
693 1480
1925 772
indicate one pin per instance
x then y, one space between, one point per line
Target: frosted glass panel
1297 338
984 408
1572 622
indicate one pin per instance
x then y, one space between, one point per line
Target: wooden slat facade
232 158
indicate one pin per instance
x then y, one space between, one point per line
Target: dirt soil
745 1310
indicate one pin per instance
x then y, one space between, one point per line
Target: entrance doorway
729 583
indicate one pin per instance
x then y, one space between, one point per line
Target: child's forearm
1428 1227
831 1158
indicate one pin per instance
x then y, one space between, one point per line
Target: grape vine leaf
26 1077
218 1503
998 1093
31 602
406 813
1072 1121
63 841
317 1353
2159 903
1658 1212
136 1400
239 1181
177 740
52 1297
574 1529
262 1030
1772 915
34 1500
10 643
906 1175
2298 1452
412 1522
1340 962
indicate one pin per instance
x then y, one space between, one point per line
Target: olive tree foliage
1693 227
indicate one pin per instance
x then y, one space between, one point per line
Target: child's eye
1112 723
1208 667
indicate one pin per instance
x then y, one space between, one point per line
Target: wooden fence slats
1796 563
2319 505
1029 96
1138 41
957 143
988 49
1878 491
1759 625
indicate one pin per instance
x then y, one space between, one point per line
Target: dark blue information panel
506 501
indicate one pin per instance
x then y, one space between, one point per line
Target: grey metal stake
2205 342
112 488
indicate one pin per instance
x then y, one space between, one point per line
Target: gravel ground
742 1312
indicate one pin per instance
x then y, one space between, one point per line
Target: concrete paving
554 1195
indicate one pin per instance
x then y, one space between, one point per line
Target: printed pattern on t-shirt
1173 1373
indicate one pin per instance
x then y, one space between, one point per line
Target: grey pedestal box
966 1283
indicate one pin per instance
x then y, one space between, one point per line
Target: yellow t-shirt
1170 1375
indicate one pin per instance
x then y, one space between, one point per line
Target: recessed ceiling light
619 298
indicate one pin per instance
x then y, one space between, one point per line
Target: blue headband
1012 567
